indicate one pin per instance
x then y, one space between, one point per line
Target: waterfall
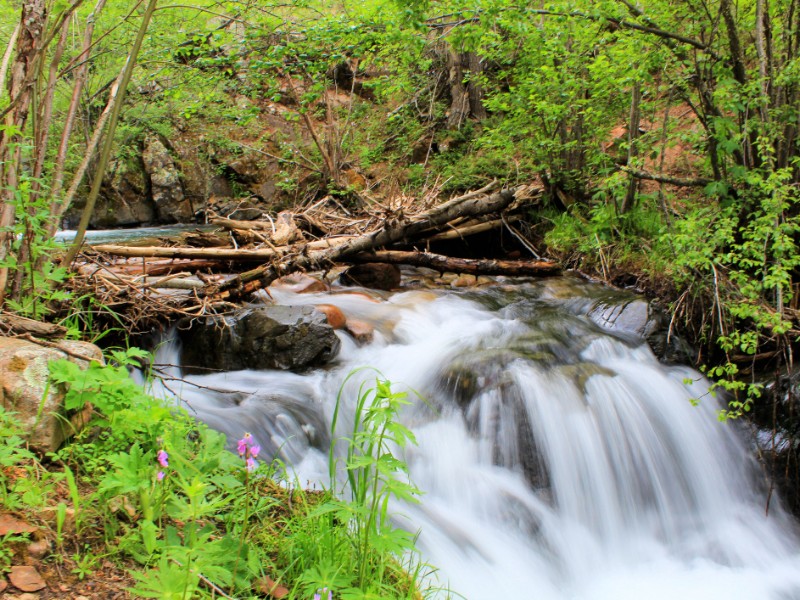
557 461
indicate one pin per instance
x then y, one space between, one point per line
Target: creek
559 459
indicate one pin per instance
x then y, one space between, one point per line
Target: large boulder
165 183
25 389
292 338
636 318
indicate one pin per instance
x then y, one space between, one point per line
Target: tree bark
459 265
105 155
23 71
81 74
233 254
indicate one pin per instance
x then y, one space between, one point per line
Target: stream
559 459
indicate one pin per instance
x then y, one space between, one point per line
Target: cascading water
557 461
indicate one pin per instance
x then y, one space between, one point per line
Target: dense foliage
664 133
160 495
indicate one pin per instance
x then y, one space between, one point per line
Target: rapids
557 461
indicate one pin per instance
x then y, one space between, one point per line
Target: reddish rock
334 314
26 579
9 524
362 295
465 281
361 331
300 283
272 588
3 585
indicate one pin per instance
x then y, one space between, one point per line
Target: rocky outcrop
25 389
124 199
292 338
166 189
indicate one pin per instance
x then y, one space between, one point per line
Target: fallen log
232 224
470 228
470 266
469 205
16 325
234 254
281 231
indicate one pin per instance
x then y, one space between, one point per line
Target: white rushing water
557 462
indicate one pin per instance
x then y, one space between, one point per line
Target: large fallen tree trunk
234 254
470 205
459 265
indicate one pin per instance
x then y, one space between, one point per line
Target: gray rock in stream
293 338
639 319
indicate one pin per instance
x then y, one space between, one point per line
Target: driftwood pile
145 279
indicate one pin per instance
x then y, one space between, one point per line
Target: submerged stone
293 338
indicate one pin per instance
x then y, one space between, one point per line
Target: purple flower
160 475
248 449
243 444
163 458
320 593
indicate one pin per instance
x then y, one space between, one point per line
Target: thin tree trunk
23 70
59 206
633 150
109 142
7 58
41 135
81 74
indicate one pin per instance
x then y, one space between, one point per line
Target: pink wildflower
160 476
248 449
243 444
163 458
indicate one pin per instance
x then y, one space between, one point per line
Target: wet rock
333 314
463 281
580 373
26 579
300 283
638 318
378 276
165 183
777 415
26 390
292 338
361 331
494 409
